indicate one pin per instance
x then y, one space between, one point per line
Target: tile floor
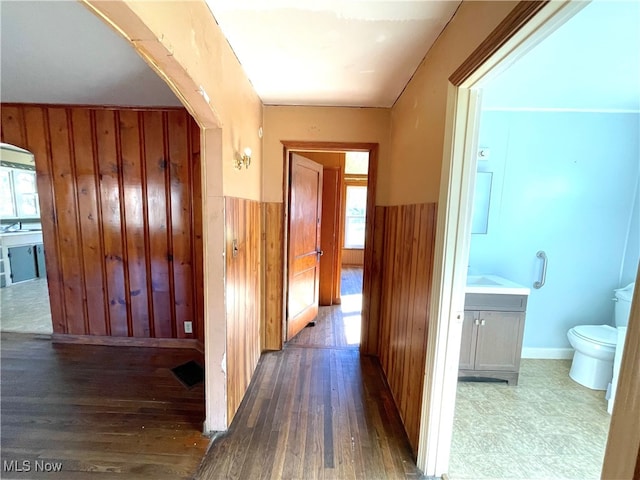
24 307
547 427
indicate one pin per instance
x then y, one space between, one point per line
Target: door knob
320 252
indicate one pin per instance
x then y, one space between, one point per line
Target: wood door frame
336 255
527 25
372 175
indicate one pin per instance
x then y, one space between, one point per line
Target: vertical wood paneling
135 220
409 235
197 222
67 220
155 166
353 256
12 123
242 228
89 219
121 205
273 214
369 342
36 129
181 227
109 173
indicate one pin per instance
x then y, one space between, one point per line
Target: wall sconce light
243 158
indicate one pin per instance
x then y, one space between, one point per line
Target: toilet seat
604 335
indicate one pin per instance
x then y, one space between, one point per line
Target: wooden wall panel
155 168
353 256
134 221
181 227
113 233
197 226
273 215
35 124
370 334
121 211
90 222
242 229
409 235
69 236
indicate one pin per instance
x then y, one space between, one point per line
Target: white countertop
21 237
20 232
495 285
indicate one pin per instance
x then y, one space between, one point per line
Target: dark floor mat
189 374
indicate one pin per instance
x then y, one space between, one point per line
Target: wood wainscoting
371 309
120 200
273 320
242 230
409 236
353 256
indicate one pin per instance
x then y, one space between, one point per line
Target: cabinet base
476 375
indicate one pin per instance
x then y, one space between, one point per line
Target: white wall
564 183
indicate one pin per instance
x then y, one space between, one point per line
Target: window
356 215
356 163
7 206
18 193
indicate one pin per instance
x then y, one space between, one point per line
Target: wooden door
499 341
330 234
305 211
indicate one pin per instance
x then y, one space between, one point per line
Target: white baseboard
548 353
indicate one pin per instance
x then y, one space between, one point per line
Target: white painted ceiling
60 52
592 62
331 52
307 52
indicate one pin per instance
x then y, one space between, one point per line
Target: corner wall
322 124
120 197
415 163
418 116
182 42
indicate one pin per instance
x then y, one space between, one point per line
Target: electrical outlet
188 327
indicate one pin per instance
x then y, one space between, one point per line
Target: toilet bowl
595 345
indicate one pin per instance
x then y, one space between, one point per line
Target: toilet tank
623 305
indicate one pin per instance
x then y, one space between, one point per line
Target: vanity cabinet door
23 263
468 343
499 341
42 268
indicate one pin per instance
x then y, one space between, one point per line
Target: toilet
595 345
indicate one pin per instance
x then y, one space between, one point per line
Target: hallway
316 409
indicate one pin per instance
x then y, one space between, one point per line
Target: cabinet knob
477 322
482 322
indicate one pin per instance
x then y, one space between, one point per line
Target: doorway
459 173
345 241
24 293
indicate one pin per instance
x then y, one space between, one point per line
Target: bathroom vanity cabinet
492 336
22 257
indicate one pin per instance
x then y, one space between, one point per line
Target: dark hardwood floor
314 413
315 410
100 412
